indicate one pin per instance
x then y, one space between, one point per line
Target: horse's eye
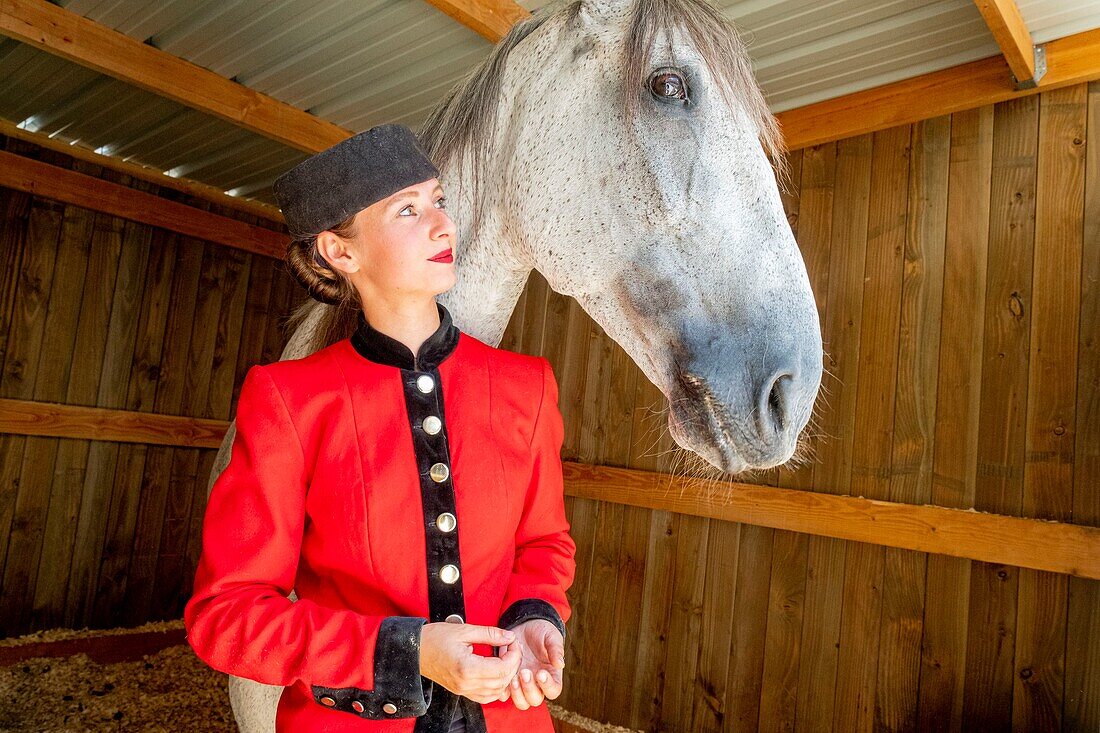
668 85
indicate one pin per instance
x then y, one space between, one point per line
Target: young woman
404 482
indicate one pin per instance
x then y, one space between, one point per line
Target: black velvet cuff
399 689
526 609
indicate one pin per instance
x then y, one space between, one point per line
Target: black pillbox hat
327 188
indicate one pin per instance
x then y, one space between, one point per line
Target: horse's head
630 167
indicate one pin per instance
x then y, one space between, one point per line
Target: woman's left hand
542 659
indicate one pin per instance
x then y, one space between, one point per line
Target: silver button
425 383
357 706
328 701
432 425
389 708
439 472
446 522
454 618
448 574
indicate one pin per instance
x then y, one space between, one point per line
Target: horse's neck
490 279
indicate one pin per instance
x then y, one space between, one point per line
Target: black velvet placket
423 392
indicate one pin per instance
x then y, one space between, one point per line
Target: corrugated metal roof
357 63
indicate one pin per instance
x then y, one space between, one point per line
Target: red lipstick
443 256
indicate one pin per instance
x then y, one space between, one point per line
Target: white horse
620 148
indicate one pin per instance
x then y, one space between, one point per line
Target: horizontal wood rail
1070 60
75 38
52 420
1030 543
144 173
42 179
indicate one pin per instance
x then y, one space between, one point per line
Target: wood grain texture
1039 686
958 393
1011 33
490 19
1082 704
1070 60
915 414
41 179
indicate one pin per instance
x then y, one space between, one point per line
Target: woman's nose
443 226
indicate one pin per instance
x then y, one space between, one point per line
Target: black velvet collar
374 345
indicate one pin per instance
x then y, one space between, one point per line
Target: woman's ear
336 252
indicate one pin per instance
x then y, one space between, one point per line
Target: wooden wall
956 265
100 311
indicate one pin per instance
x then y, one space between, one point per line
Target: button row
389 708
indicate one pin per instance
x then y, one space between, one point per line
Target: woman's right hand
447 657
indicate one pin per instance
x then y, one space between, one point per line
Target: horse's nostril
778 396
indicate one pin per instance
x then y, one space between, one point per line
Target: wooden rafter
75 38
144 173
60 184
1071 60
490 19
1053 546
1008 28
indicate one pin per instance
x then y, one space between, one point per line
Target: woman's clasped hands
527 670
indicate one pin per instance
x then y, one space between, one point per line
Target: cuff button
328 701
389 708
357 706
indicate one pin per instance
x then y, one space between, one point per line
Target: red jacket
387 491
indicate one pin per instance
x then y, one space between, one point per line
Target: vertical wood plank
107 578
903 591
90 520
158 459
848 178
1038 694
856 668
787 589
1083 650
199 377
33 456
650 452
991 627
957 411
55 360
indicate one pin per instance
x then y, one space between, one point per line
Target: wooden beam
85 42
52 420
61 184
1071 60
1031 543
490 19
144 173
1008 29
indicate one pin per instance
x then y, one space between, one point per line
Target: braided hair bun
320 280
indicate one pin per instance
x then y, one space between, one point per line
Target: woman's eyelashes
410 210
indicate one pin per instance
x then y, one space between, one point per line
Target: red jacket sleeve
544 566
239 619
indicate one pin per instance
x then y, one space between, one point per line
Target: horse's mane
463 122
